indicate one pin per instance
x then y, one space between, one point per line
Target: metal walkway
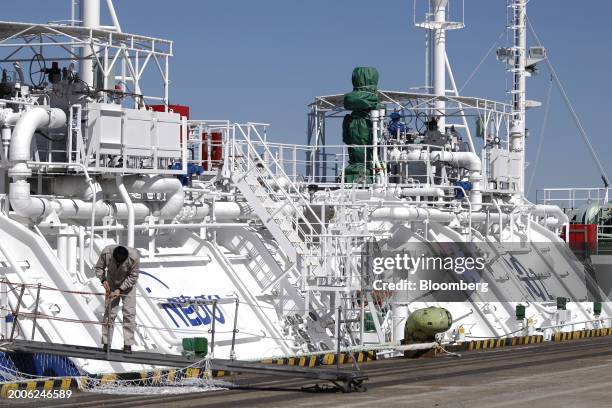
345 380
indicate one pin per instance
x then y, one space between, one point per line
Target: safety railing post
35 311
16 314
109 338
212 331
338 338
234 331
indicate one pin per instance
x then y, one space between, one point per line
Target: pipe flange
20 171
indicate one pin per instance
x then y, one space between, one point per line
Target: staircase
282 209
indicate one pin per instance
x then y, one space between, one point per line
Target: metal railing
572 198
303 164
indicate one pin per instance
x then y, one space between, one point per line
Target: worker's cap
395 115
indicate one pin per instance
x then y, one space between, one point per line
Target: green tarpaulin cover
357 126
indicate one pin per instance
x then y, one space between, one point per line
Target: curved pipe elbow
468 160
28 123
547 211
24 204
173 205
172 187
19 191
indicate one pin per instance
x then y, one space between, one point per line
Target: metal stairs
284 212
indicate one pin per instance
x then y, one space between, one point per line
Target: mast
90 18
438 37
436 23
518 28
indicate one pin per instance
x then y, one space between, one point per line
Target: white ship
254 244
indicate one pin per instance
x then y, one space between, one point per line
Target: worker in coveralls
117 269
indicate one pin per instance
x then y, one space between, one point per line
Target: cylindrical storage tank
212 150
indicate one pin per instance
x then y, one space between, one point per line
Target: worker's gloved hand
106 288
115 294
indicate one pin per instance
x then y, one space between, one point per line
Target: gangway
347 380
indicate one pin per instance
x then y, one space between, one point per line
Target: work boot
127 349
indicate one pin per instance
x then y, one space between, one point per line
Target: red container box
582 237
215 140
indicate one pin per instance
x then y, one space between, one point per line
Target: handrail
280 187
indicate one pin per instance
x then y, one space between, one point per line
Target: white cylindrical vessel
90 17
439 60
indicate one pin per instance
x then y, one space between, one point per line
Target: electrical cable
568 103
467 81
542 134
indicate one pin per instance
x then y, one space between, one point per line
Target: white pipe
407 214
175 195
8 117
470 161
75 208
175 206
422 191
97 208
5 137
482 217
62 248
89 205
71 254
379 164
467 160
550 211
153 227
130 210
198 211
19 189
82 251
374 116
28 123
67 186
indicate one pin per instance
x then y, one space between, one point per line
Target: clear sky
266 60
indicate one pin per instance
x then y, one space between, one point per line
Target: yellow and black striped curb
323 359
581 334
499 343
46 385
486 344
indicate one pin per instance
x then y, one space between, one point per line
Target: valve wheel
38 70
